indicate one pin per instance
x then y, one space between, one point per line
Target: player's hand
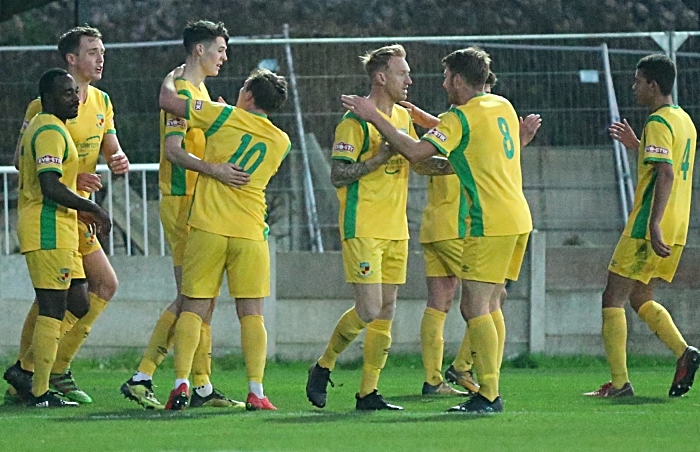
221 100
657 241
361 106
529 127
230 174
119 163
420 116
97 221
622 132
177 72
88 182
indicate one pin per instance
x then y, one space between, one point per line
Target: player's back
488 165
252 142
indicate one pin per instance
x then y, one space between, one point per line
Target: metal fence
562 77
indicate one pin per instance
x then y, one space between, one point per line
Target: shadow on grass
130 415
374 417
637 400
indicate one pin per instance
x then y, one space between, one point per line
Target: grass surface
544 410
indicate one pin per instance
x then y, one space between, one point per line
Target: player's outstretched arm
168 99
345 173
226 173
89 182
414 150
53 189
622 132
528 128
420 116
433 166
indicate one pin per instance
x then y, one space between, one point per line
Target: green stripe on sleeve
178 178
466 178
462 215
432 141
659 119
186 93
223 116
641 223
656 159
172 134
106 97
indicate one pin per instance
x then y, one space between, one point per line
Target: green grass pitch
544 410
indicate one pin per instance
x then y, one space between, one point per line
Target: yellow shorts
87 240
443 258
635 259
207 255
493 259
54 269
173 214
374 261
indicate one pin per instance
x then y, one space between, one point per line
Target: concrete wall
311 295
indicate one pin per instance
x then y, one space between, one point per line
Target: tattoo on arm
434 166
345 173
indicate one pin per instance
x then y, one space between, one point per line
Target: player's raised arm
168 99
420 116
414 150
528 128
345 173
622 132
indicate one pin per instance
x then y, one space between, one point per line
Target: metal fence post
538 313
270 305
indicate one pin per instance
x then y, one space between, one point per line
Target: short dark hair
200 31
47 82
491 80
472 64
69 42
378 59
269 89
660 69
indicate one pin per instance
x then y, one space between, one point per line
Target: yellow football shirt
95 119
444 216
175 180
481 140
42 224
373 206
669 136
248 140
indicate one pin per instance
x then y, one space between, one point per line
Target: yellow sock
615 340
161 341
69 321
254 345
201 364
187 331
347 329
464 360
500 324
45 344
376 350
74 339
661 324
25 340
432 343
484 341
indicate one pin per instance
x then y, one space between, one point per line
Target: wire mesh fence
559 77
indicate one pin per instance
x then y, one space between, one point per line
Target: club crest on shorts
64 275
365 270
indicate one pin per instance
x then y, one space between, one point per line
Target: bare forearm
345 173
662 192
60 194
168 99
434 166
180 157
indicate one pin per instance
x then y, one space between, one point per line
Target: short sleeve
658 140
33 109
349 140
109 116
49 148
206 115
447 135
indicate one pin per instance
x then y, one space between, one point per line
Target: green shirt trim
353 191
659 119
220 120
641 223
461 166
